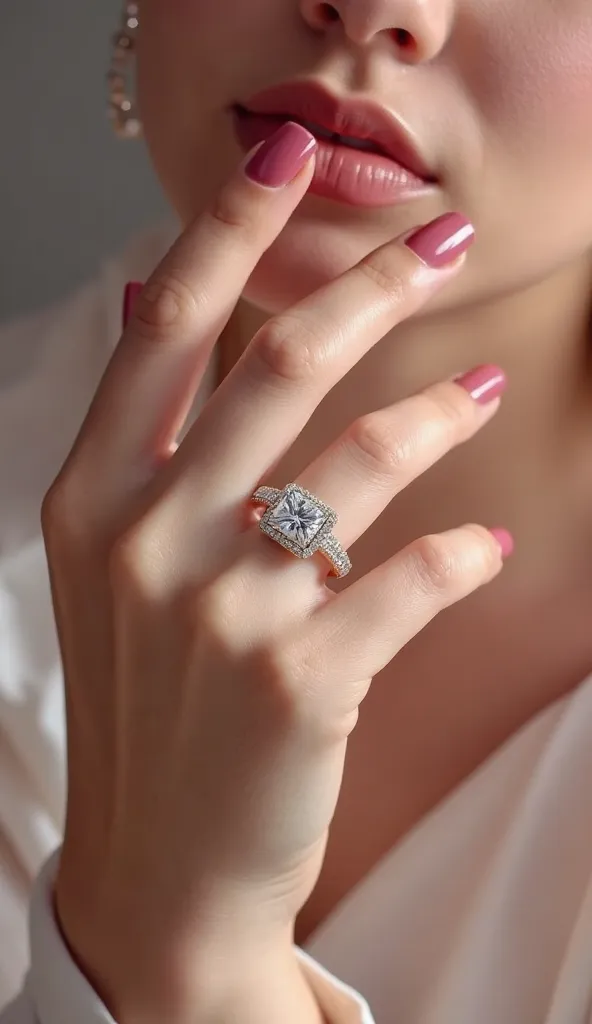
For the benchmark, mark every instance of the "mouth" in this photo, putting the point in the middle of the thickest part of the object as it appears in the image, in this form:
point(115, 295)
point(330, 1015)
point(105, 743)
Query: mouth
point(366, 155)
point(364, 145)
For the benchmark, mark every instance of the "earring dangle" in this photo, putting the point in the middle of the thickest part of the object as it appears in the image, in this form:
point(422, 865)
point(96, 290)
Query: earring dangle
point(122, 108)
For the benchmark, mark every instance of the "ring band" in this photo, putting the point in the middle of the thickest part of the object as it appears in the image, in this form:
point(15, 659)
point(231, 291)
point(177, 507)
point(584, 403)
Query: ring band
point(303, 524)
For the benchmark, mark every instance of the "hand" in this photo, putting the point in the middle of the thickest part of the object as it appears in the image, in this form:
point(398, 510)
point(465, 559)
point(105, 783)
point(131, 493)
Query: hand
point(212, 678)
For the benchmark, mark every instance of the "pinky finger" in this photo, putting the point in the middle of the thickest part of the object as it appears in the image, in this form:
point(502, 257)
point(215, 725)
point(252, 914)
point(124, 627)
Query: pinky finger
point(366, 625)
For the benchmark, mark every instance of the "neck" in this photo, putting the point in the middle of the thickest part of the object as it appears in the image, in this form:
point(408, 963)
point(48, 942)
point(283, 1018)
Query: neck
point(526, 470)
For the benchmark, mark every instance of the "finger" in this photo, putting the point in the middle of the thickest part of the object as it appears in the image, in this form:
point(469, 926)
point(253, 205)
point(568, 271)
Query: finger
point(362, 629)
point(150, 383)
point(297, 357)
point(383, 452)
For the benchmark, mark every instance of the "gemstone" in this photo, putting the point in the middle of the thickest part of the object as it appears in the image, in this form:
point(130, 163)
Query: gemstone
point(298, 518)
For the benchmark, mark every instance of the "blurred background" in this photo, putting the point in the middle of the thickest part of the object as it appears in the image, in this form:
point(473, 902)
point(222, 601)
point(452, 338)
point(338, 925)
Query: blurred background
point(70, 192)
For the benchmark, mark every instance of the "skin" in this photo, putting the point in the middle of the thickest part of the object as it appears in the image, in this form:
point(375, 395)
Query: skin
point(212, 681)
point(499, 94)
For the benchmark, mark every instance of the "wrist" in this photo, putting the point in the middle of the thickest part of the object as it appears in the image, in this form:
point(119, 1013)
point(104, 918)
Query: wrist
point(232, 978)
point(259, 986)
point(223, 965)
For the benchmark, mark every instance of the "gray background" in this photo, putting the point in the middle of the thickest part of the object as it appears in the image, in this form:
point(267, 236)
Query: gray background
point(70, 192)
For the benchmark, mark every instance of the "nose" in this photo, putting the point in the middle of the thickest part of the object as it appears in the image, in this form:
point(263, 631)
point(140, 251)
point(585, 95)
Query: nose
point(418, 29)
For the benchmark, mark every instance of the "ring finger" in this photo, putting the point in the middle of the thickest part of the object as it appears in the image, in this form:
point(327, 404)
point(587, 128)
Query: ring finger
point(384, 451)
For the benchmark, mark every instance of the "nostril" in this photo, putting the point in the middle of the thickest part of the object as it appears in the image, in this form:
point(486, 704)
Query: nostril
point(328, 13)
point(403, 38)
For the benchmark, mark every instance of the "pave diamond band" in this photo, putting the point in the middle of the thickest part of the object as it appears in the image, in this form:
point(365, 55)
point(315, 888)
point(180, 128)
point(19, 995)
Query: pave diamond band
point(301, 523)
point(266, 495)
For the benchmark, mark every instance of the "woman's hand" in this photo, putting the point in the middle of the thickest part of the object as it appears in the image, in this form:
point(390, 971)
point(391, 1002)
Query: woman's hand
point(212, 678)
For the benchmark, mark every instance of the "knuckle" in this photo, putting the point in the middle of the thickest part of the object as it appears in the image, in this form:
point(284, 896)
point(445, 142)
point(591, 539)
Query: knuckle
point(141, 561)
point(291, 679)
point(278, 667)
point(276, 679)
point(381, 449)
point(228, 210)
point(481, 551)
point(125, 559)
point(287, 676)
point(54, 508)
point(167, 301)
point(439, 408)
point(215, 611)
point(135, 562)
point(287, 347)
point(437, 563)
point(456, 563)
point(64, 511)
point(381, 268)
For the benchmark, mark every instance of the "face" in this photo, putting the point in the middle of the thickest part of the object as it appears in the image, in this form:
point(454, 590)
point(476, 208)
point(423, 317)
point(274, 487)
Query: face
point(497, 93)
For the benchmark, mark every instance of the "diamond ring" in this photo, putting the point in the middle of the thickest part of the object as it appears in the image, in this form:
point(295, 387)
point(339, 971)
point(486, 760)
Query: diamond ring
point(302, 524)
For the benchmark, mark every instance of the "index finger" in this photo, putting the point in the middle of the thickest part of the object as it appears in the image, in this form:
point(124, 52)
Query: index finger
point(151, 380)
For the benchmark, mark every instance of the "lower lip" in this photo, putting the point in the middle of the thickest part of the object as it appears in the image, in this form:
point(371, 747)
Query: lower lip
point(341, 173)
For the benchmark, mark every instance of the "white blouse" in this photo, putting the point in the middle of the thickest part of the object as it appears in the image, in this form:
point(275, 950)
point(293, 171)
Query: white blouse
point(482, 914)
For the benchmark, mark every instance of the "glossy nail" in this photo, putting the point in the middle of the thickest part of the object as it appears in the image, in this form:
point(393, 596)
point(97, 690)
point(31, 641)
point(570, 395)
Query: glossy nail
point(484, 383)
point(504, 539)
point(443, 240)
point(132, 290)
point(282, 156)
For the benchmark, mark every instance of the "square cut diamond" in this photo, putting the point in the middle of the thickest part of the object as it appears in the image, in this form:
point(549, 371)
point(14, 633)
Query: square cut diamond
point(297, 518)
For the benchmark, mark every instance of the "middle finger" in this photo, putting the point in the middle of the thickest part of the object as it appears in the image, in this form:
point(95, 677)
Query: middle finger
point(260, 408)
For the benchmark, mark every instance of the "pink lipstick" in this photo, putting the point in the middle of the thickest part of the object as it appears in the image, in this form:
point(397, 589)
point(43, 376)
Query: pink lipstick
point(365, 157)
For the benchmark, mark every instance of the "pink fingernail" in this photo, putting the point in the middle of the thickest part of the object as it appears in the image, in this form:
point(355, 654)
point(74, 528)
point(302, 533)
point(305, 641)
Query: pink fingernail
point(442, 240)
point(484, 383)
point(278, 160)
point(132, 290)
point(504, 539)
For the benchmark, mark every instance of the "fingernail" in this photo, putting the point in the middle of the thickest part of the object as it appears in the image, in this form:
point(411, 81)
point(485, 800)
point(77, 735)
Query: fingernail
point(443, 240)
point(132, 290)
point(278, 160)
point(484, 383)
point(504, 539)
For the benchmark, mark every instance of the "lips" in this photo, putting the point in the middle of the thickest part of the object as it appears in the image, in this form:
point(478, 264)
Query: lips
point(357, 123)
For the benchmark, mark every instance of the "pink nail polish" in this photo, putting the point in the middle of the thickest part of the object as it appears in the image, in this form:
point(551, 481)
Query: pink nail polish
point(504, 539)
point(132, 290)
point(484, 383)
point(443, 240)
point(278, 160)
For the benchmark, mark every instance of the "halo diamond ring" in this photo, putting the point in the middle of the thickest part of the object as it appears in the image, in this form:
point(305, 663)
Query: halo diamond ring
point(301, 523)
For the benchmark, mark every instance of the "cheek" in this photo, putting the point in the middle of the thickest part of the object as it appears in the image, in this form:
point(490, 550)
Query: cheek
point(218, 28)
point(183, 77)
point(553, 106)
point(539, 93)
point(533, 96)
point(187, 32)
point(202, 13)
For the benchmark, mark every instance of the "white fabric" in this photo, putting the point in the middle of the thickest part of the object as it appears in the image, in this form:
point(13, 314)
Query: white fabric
point(482, 915)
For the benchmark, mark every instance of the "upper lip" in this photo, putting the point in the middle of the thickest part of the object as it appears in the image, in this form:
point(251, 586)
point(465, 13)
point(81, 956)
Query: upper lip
point(357, 118)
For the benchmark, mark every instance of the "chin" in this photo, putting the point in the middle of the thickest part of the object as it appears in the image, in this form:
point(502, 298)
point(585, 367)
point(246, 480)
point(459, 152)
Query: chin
point(311, 253)
point(306, 256)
